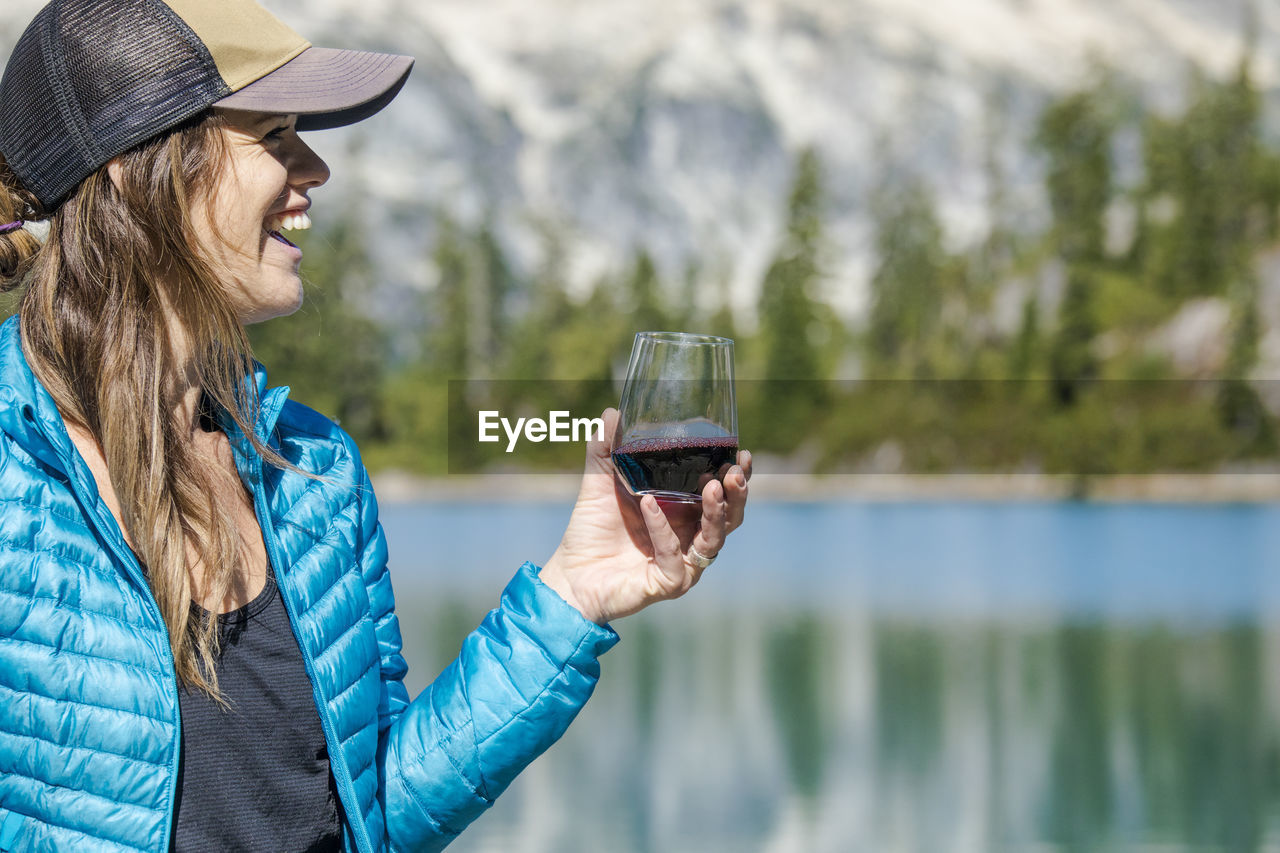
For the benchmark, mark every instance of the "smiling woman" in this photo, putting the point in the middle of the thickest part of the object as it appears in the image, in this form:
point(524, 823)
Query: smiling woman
point(270, 171)
point(198, 645)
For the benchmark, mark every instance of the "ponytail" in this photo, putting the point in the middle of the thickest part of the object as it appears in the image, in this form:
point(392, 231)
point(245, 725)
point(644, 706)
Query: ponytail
point(18, 248)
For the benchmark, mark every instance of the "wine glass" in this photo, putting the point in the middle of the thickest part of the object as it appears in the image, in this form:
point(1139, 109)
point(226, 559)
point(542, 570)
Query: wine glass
point(678, 424)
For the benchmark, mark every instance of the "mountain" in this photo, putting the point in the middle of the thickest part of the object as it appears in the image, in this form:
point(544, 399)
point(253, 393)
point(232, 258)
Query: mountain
point(674, 124)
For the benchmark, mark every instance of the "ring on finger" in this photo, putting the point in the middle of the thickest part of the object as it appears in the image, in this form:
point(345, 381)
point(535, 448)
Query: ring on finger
point(698, 560)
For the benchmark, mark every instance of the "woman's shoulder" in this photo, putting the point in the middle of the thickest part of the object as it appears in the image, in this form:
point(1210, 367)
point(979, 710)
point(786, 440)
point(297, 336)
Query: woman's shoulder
point(299, 419)
point(317, 444)
point(330, 476)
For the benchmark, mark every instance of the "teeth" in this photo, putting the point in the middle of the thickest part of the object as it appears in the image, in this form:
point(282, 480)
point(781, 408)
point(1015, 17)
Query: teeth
point(289, 222)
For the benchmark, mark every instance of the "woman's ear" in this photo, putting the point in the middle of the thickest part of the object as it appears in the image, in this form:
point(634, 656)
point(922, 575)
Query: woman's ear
point(116, 172)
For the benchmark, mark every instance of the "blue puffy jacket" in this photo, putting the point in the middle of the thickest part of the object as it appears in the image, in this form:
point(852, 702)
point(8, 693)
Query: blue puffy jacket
point(89, 723)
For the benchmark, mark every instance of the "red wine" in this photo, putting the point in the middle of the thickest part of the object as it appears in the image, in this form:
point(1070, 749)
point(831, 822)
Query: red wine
point(679, 464)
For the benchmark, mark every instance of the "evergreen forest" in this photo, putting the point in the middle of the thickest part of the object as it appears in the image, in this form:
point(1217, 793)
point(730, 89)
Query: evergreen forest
point(926, 380)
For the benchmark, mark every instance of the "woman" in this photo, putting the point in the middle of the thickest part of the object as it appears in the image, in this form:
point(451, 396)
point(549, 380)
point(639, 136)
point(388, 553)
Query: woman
point(198, 643)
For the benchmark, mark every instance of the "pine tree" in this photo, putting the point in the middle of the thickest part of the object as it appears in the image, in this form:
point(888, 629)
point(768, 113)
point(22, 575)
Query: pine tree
point(644, 296)
point(791, 320)
point(490, 289)
point(1075, 134)
point(1210, 172)
point(1240, 409)
point(788, 311)
point(906, 293)
point(722, 320)
point(1026, 346)
point(1072, 362)
point(544, 310)
point(448, 346)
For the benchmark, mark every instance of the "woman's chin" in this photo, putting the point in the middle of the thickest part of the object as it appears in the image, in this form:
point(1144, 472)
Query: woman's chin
point(260, 309)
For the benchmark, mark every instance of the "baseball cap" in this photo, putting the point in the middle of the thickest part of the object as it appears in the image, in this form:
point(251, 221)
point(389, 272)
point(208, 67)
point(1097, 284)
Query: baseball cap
point(90, 79)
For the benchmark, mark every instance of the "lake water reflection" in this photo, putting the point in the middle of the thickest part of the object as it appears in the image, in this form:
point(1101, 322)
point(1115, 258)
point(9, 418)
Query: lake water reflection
point(901, 677)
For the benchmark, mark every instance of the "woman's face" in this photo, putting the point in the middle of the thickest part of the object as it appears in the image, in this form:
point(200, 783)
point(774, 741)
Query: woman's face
point(263, 191)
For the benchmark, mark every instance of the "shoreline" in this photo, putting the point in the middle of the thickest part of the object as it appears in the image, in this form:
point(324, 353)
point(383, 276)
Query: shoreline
point(1261, 485)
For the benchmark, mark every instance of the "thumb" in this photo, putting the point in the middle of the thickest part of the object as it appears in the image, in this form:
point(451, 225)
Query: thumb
point(598, 459)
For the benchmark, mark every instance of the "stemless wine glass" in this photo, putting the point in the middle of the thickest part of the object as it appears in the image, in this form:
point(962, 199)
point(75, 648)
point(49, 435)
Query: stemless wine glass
point(678, 427)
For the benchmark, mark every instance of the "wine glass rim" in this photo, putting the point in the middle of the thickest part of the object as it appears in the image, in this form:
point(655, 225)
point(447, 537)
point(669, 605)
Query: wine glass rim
point(685, 338)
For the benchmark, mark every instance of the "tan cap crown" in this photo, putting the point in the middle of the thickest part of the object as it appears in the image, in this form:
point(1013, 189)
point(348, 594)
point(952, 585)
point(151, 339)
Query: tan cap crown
point(245, 40)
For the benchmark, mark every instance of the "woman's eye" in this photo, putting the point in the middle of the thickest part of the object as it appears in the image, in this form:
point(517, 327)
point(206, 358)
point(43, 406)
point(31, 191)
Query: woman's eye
point(278, 132)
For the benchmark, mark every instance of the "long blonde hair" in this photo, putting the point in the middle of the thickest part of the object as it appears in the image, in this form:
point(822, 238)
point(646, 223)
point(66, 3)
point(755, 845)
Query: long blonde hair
point(118, 275)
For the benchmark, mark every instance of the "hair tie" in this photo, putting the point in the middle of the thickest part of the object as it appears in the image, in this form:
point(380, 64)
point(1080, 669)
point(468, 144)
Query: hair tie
point(12, 226)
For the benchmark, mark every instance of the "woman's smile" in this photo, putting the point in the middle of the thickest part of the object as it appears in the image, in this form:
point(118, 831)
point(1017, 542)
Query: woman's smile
point(288, 221)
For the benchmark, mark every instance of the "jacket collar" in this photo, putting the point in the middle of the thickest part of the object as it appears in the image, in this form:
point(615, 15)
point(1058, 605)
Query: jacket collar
point(27, 412)
point(270, 403)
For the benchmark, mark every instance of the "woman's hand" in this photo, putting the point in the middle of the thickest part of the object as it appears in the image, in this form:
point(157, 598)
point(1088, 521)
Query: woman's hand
point(620, 555)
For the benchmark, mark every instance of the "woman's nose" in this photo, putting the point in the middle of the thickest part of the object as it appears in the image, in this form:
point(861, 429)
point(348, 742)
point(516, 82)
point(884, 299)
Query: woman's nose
point(306, 169)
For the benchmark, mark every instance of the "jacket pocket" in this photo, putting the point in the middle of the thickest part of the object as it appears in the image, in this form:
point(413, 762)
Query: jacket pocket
point(9, 830)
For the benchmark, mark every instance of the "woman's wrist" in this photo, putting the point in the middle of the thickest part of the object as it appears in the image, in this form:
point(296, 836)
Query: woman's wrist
point(554, 577)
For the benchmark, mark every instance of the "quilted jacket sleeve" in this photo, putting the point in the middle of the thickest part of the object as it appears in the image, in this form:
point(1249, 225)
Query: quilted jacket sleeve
point(520, 679)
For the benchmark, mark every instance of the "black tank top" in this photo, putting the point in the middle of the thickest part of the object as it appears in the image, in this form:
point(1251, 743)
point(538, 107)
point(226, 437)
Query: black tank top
point(256, 776)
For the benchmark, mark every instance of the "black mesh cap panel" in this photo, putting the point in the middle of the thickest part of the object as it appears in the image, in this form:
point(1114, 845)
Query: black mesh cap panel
point(34, 138)
point(90, 79)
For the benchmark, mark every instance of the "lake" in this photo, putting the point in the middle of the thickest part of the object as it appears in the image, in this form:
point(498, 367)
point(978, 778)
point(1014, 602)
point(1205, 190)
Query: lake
point(888, 677)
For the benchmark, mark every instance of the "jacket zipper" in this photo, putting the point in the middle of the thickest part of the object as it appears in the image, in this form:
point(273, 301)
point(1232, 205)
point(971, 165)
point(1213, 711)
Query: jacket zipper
point(129, 561)
point(346, 784)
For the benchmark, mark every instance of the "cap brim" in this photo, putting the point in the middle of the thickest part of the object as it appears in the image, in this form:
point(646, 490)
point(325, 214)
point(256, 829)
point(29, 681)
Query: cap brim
point(326, 87)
